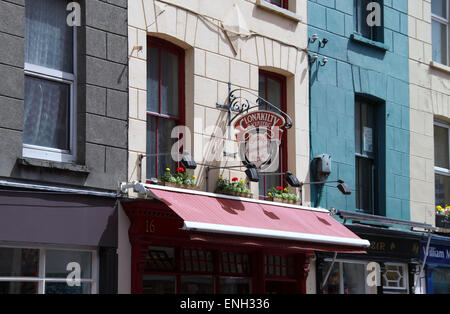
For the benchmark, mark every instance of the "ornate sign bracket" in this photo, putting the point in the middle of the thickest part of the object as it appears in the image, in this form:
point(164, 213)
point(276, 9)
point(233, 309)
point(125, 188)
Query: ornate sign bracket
point(241, 105)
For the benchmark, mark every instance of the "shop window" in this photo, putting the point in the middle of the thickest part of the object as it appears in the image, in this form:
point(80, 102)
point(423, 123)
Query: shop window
point(279, 3)
point(440, 31)
point(394, 279)
point(346, 278)
point(366, 157)
point(234, 264)
point(272, 87)
point(154, 284)
point(159, 259)
point(49, 130)
point(44, 271)
point(442, 163)
point(197, 285)
point(165, 103)
point(279, 266)
point(230, 285)
point(197, 261)
point(364, 8)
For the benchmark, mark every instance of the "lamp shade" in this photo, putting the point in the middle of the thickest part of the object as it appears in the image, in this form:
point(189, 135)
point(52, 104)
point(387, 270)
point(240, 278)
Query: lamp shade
point(188, 162)
point(292, 180)
point(344, 188)
point(252, 173)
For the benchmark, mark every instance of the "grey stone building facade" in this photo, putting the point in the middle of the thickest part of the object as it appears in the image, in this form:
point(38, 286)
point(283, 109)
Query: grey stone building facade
point(63, 140)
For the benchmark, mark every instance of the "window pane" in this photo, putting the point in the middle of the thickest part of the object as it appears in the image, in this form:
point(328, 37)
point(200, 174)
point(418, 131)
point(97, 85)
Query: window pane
point(362, 27)
point(354, 278)
point(48, 38)
point(358, 133)
point(441, 279)
point(19, 262)
point(333, 285)
point(235, 286)
point(47, 112)
point(165, 143)
point(158, 284)
point(197, 285)
point(441, 148)
point(160, 259)
point(442, 190)
point(18, 287)
point(151, 146)
point(56, 263)
point(64, 288)
point(153, 80)
point(364, 193)
point(439, 7)
point(439, 42)
point(276, 2)
point(169, 84)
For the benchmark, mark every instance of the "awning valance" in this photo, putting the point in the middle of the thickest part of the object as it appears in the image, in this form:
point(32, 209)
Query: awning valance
point(208, 213)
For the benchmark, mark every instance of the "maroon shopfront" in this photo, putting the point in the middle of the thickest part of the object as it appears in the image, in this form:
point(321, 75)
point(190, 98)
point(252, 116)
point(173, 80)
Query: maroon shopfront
point(193, 242)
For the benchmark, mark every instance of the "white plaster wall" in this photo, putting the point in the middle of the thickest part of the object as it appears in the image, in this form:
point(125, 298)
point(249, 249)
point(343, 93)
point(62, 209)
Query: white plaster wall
point(430, 99)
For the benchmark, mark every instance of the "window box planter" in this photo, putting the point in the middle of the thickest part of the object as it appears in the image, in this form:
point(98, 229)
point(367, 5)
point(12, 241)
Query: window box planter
point(238, 194)
point(280, 200)
point(179, 186)
point(442, 221)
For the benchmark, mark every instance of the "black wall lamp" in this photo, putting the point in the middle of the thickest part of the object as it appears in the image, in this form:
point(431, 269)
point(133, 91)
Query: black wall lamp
point(342, 186)
point(291, 179)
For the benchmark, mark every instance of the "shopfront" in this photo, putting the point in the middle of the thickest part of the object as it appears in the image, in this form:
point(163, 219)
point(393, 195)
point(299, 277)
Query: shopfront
point(393, 255)
point(47, 236)
point(437, 270)
point(195, 242)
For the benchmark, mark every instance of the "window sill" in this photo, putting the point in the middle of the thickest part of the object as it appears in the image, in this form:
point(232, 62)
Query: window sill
point(440, 66)
point(365, 41)
point(276, 9)
point(65, 166)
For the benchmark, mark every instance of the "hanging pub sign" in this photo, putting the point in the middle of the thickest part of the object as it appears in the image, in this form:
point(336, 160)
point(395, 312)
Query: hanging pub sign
point(259, 135)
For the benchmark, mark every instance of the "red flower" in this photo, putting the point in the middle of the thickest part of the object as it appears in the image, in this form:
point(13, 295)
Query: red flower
point(235, 179)
point(180, 169)
point(280, 188)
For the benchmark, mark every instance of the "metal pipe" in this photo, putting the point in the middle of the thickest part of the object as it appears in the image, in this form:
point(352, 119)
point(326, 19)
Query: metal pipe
point(56, 189)
point(424, 260)
point(328, 272)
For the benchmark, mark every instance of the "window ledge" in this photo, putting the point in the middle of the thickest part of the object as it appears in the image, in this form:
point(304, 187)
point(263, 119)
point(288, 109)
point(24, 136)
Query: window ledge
point(32, 162)
point(440, 66)
point(375, 44)
point(276, 9)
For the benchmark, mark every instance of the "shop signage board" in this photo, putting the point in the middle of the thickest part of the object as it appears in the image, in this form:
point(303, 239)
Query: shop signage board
point(259, 134)
point(437, 254)
point(393, 247)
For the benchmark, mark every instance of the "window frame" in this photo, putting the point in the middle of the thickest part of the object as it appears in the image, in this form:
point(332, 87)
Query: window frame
point(154, 42)
point(376, 37)
point(284, 4)
point(361, 156)
point(71, 79)
point(396, 290)
point(446, 22)
point(283, 147)
point(438, 170)
point(42, 279)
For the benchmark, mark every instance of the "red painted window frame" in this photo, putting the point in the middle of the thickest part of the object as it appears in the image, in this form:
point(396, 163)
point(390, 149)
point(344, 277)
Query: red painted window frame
point(164, 45)
point(283, 147)
point(284, 4)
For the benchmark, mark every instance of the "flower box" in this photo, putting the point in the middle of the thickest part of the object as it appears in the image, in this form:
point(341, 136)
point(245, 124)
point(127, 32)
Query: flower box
point(442, 222)
point(238, 194)
point(179, 186)
point(280, 200)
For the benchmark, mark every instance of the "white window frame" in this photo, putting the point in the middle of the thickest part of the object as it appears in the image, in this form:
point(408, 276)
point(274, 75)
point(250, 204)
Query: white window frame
point(48, 153)
point(341, 263)
point(438, 170)
point(442, 20)
point(396, 290)
point(41, 280)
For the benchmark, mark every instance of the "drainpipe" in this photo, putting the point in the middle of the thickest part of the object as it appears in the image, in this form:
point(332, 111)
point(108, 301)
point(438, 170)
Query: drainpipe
point(424, 260)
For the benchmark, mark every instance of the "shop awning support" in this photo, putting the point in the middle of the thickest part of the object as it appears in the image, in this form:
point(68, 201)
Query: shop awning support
point(324, 282)
point(424, 260)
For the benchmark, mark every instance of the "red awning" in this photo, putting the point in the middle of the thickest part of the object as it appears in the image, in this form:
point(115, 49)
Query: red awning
point(311, 229)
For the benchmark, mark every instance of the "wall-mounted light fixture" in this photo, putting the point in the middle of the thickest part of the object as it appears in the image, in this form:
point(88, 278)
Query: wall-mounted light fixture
point(323, 43)
point(324, 61)
point(313, 58)
point(291, 179)
point(313, 38)
point(342, 187)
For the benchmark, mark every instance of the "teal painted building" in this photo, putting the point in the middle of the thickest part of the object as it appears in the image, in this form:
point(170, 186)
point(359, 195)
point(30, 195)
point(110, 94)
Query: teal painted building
point(359, 104)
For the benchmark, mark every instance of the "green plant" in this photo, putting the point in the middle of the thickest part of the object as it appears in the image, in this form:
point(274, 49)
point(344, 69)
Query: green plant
point(235, 186)
point(443, 211)
point(282, 193)
point(181, 177)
